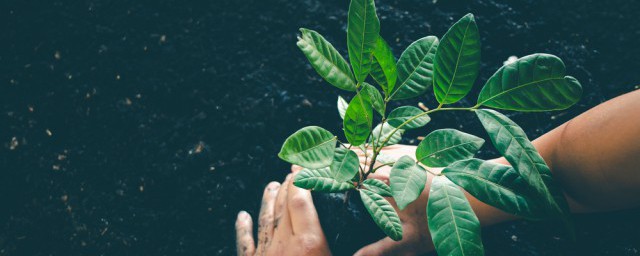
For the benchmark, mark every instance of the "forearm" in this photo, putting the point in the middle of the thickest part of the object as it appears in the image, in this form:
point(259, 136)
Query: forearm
point(595, 158)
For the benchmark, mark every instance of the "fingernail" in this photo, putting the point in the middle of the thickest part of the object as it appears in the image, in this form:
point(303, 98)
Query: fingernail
point(242, 215)
point(273, 186)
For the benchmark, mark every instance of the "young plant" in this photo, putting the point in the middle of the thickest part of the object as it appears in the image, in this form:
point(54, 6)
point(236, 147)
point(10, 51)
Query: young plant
point(450, 66)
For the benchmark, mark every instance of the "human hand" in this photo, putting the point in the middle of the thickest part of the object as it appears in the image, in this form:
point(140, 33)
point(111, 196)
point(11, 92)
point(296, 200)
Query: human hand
point(416, 239)
point(288, 224)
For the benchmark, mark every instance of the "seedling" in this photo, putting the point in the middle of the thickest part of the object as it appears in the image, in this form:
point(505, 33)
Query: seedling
point(450, 66)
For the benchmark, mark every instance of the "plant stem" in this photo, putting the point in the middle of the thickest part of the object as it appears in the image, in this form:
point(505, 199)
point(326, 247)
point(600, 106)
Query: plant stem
point(383, 165)
point(423, 114)
point(343, 145)
point(366, 156)
point(376, 151)
point(432, 173)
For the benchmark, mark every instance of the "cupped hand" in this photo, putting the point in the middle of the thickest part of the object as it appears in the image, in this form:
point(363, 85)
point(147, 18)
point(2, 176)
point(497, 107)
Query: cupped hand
point(288, 224)
point(416, 239)
point(415, 231)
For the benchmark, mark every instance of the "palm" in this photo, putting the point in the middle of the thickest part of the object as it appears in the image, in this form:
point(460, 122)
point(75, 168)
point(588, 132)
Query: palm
point(416, 239)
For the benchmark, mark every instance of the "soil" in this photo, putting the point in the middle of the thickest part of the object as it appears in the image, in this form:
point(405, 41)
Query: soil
point(143, 127)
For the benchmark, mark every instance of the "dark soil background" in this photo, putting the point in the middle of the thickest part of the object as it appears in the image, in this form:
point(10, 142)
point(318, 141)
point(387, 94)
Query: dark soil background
point(143, 127)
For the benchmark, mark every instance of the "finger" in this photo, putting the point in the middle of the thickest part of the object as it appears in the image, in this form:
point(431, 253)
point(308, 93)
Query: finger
point(414, 242)
point(296, 168)
point(382, 174)
point(364, 163)
point(266, 219)
point(304, 217)
point(385, 246)
point(244, 234)
point(282, 223)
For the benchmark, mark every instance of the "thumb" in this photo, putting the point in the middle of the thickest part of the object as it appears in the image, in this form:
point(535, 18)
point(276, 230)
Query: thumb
point(385, 246)
point(296, 168)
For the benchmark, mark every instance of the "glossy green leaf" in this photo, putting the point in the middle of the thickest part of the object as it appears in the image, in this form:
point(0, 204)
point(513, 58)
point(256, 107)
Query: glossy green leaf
point(383, 69)
point(375, 98)
point(320, 180)
point(382, 213)
point(378, 136)
point(386, 159)
point(311, 147)
point(497, 185)
point(454, 227)
point(378, 187)
point(512, 142)
point(362, 33)
point(415, 69)
point(326, 60)
point(403, 114)
point(532, 83)
point(407, 181)
point(457, 61)
point(445, 146)
point(358, 119)
point(561, 207)
point(345, 164)
point(342, 106)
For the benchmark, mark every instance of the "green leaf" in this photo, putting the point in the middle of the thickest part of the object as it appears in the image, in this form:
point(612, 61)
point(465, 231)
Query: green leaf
point(362, 33)
point(345, 164)
point(497, 185)
point(407, 181)
point(378, 137)
point(382, 213)
point(386, 159)
point(532, 83)
point(358, 119)
point(342, 106)
point(445, 146)
point(512, 142)
point(378, 187)
point(454, 227)
point(311, 147)
point(320, 180)
point(383, 69)
point(375, 98)
point(561, 203)
point(402, 114)
point(457, 61)
point(415, 69)
point(326, 60)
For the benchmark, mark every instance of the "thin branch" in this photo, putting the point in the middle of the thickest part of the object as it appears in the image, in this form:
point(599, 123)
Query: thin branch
point(343, 145)
point(418, 116)
point(383, 165)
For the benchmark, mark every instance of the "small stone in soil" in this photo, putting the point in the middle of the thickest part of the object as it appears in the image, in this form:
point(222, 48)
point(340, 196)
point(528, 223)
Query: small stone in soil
point(14, 143)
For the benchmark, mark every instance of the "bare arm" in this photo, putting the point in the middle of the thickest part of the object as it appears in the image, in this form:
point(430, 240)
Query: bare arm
point(595, 157)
